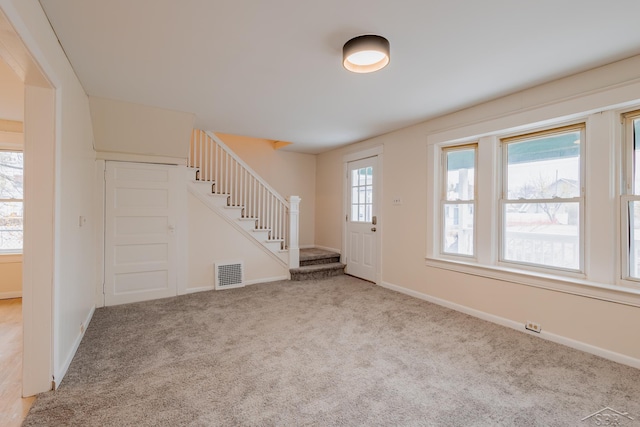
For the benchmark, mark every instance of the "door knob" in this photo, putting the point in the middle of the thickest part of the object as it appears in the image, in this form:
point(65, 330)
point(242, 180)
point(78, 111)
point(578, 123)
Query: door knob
point(373, 229)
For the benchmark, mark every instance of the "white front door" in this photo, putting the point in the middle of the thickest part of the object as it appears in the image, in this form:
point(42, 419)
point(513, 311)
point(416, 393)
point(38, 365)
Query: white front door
point(361, 241)
point(140, 240)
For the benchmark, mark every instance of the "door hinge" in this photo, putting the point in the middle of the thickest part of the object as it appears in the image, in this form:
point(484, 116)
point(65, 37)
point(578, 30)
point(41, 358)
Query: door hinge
point(346, 218)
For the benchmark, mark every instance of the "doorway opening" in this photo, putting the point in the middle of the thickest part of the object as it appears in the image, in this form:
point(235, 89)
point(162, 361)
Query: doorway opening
point(39, 154)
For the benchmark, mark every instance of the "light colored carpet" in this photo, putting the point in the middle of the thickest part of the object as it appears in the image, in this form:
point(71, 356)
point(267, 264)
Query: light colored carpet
point(332, 352)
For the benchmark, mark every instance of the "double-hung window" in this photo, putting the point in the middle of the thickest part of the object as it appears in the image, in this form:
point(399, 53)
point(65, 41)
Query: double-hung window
point(631, 196)
point(458, 200)
point(542, 199)
point(11, 175)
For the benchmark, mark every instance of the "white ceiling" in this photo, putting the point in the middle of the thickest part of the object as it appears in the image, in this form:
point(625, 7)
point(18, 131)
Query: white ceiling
point(272, 69)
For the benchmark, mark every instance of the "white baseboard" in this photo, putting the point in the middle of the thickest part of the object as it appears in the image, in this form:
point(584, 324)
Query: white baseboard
point(326, 248)
point(578, 345)
point(9, 295)
point(199, 289)
point(265, 280)
point(60, 373)
point(246, 283)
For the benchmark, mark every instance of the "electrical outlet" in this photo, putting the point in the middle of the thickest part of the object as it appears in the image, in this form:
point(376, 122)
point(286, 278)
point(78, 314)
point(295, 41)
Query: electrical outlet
point(81, 328)
point(533, 326)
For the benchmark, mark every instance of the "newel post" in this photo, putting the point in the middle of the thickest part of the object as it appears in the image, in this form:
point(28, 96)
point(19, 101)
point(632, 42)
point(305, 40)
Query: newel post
point(294, 231)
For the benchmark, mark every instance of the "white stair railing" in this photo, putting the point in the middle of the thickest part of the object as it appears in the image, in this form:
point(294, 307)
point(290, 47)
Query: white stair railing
point(229, 175)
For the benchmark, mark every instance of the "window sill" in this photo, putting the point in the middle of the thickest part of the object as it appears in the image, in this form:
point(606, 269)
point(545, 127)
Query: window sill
point(602, 291)
point(10, 258)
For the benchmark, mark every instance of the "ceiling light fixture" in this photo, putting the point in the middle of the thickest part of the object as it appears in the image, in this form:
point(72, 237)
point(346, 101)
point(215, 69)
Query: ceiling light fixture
point(365, 54)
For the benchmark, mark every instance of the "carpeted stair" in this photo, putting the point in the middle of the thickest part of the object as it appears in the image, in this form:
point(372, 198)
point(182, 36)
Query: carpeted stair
point(317, 264)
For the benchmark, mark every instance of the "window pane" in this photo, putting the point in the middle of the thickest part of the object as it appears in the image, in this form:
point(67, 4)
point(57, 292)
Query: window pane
point(634, 239)
point(361, 213)
point(10, 226)
point(460, 174)
point(636, 157)
point(543, 233)
point(363, 177)
point(11, 175)
point(458, 229)
point(362, 194)
point(544, 167)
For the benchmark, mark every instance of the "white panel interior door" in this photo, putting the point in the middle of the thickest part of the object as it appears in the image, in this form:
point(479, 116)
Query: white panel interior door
point(140, 240)
point(362, 240)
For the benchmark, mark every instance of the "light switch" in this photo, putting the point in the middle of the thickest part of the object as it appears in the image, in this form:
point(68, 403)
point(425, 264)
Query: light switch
point(396, 200)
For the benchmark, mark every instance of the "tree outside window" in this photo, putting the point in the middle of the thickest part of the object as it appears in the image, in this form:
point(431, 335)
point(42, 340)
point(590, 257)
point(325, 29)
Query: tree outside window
point(11, 206)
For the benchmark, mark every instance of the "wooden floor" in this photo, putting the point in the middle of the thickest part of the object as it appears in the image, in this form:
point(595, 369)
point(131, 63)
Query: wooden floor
point(13, 408)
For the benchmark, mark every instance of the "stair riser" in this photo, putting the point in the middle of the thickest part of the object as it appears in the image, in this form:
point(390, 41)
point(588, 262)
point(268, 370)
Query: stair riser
point(260, 235)
point(233, 213)
point(317, 275)
point(273, 246)
point(247, 225)
point(320, 261)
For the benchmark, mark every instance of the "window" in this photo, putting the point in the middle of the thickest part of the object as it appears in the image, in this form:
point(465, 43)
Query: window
point(458, 200)
point(540, 202)
point(11, 175)
point(362, 194)
point(542, 199)
point(630, 206)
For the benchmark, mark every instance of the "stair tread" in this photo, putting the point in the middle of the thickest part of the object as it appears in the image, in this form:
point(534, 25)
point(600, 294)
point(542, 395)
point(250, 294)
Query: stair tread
point(312, 254)
point(318, 267)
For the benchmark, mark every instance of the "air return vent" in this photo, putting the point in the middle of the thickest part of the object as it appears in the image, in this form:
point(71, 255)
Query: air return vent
point(229, 275)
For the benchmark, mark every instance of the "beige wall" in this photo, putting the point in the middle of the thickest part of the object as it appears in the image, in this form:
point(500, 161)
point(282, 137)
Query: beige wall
point(12, 90)
point(59, 123)
point(212, 239)
point(290, 174)
point(604, 325)
point(126, 128)
point(10, 276)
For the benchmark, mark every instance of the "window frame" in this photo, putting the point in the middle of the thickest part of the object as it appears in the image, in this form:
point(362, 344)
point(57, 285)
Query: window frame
point(444, 200)
point(602, 181)
point(503, 198)
point(627, 190)
point(7, 252)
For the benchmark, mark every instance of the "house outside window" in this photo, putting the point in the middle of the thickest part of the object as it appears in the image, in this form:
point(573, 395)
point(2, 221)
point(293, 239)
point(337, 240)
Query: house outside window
point(458, 200)
point(11, 206)
point(543, 198)
point(630, 204)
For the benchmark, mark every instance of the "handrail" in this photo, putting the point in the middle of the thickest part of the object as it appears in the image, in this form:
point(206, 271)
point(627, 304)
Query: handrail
point(246, 166)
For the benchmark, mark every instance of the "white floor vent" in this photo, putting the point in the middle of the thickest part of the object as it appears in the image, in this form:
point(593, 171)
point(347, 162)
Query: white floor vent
point(229, 275)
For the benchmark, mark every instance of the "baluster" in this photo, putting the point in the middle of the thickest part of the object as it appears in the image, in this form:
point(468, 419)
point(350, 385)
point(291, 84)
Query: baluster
point(216, 169)
point(190, 164)
point(269, 210)
point(226, 175)
point(200, 152)
point(236, 176)
point(254, 204)
point(206, 158)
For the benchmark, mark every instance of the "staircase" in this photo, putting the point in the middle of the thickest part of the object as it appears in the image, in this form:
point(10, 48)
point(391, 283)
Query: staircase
point(317, 264)
point(230, 187)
